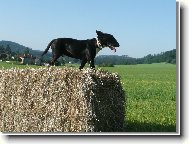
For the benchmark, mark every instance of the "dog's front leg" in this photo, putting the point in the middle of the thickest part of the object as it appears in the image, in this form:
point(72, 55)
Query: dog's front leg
point(92, 66)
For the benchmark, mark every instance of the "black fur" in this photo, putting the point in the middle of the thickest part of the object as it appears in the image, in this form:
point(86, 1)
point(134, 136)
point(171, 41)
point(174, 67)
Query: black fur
point(85, 50)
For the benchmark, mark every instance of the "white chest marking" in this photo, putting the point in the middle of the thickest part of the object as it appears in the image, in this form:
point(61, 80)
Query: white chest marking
point(99, 46)
point(97, 50)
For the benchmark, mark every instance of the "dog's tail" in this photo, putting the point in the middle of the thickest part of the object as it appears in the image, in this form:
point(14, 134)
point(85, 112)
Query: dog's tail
point(49, 45)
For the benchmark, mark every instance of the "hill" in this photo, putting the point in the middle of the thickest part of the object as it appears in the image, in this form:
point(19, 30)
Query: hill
point(15, 47)
point(18, 48)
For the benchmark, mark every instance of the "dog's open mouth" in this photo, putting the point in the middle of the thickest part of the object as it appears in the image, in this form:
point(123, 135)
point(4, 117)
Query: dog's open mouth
point(112, 48)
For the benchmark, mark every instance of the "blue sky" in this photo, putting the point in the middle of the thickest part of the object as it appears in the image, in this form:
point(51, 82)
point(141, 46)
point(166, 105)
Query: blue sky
point(141, 26)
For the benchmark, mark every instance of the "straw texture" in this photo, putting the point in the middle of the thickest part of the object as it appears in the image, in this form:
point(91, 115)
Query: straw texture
point(60, 100)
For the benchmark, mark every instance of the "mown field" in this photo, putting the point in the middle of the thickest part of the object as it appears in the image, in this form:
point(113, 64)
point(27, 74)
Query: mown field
point(150, 95)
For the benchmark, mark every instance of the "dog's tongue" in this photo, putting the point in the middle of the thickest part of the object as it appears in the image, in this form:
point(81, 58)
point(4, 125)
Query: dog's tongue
point(113, 48)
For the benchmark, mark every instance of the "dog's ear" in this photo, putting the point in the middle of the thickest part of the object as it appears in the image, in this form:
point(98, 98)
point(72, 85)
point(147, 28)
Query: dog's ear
point(99, 32)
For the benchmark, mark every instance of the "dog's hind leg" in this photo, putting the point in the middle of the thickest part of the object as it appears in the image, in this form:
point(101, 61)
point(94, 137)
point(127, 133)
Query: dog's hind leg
point(55, 57)
point(83, 62)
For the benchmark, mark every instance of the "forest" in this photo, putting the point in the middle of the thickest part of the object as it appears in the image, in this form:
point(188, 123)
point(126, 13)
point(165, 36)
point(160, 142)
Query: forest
point(110, 60)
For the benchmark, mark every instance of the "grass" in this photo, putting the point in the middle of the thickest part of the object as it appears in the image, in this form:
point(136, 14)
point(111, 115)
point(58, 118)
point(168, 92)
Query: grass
point(13, 64)
point(151, 95)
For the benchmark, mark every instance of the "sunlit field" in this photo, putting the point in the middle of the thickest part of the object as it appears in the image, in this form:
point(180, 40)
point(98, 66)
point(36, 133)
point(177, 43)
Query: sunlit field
point(151, 96)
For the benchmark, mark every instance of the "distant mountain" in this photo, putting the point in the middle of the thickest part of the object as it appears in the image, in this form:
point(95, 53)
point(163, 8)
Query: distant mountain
point(15, 47)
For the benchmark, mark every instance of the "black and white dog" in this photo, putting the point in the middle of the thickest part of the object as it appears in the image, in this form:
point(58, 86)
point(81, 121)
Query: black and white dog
point(85, 50)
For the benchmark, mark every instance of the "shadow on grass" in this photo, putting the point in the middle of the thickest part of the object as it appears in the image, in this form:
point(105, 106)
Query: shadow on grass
point(147, 127)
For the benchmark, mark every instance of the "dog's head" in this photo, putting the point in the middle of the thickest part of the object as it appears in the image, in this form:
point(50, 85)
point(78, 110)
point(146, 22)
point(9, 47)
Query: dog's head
point(107, 40)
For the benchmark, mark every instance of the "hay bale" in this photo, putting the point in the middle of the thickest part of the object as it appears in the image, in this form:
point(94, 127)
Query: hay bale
point(60, 100)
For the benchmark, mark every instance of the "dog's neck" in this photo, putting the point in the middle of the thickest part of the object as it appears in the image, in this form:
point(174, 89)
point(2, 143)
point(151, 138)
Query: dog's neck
point(99, 46)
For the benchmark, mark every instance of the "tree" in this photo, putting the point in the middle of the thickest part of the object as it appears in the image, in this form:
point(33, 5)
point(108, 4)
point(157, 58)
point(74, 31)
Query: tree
point(2, 49)
point(27, 51)
point(8, 50)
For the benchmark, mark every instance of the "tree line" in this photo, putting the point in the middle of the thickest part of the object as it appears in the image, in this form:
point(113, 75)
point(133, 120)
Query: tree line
point(110, 60)
point(7, 54)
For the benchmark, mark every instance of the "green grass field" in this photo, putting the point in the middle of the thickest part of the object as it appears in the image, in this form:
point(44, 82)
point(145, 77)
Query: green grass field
point(150, 95)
